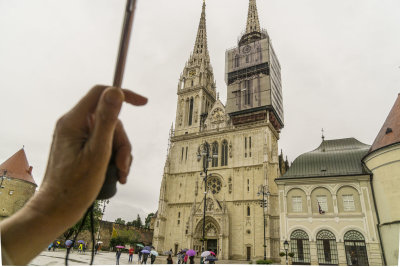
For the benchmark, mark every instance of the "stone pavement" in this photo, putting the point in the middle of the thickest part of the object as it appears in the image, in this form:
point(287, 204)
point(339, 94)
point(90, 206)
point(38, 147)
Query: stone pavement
point(57, 258)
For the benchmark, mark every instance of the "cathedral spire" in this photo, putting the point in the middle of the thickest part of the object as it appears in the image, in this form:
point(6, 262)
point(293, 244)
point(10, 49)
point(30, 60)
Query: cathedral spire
point(253, 24)
point(200, 47)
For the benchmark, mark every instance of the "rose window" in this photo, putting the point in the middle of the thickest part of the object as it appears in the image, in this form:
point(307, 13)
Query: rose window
point(214, 184)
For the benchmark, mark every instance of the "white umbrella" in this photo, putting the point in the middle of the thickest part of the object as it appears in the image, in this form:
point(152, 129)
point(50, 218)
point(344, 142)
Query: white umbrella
point(154, 253)
point(205, 254)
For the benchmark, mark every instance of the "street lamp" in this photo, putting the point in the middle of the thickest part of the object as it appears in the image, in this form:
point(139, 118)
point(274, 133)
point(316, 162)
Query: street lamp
point(263, 190)
point(102, 214)
point(286, 246)
point(205, 154)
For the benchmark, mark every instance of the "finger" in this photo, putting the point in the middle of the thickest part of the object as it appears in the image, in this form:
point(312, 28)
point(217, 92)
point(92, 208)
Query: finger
point(88, 103)
point(106, 118)
point(122, 149)
point(134, 98)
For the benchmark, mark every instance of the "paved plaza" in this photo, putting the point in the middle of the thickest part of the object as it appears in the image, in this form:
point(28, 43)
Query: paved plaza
point(57, 258)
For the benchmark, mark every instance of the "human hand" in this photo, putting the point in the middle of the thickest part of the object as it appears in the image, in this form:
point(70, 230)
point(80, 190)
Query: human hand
point(83, 141)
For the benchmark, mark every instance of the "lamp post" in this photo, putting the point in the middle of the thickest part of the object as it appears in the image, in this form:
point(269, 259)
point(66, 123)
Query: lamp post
point(102, 214)
point(286, 246)
point(205, 154)
point(263, 190)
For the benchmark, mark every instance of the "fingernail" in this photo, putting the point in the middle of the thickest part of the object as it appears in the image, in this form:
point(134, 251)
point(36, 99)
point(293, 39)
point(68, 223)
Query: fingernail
point(113, 97)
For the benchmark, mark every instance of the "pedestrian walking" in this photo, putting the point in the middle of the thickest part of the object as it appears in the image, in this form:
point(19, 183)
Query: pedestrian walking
point(131, 251)
point(80, 248)
point(145, 256)
point(96, 248)
point(118, 255)
point(152, 258)
point(191, 260)
point(185, 259)
point(140, 257)
point(169, 259)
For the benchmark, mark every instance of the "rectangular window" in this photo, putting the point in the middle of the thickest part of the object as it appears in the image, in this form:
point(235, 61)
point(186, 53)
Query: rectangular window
point(321, 200)
point(297, 204)
point(245, 147)
point(249, 146)
point(186, 153)
point(248, 185)
point(179, 221)
point(183, 150)
point(348, 203)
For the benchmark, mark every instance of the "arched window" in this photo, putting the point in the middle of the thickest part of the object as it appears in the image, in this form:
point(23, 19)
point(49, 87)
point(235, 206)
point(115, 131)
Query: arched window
point(248, 210)
point(236, 61)
point(179, 214)
point(224, 153)
point(191, 111)
point(215, 152)
point(356, 251)
point(326, 248)
point(300, 246)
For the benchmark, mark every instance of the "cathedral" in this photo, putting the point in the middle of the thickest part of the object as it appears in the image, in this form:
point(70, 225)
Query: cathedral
point(227, 202)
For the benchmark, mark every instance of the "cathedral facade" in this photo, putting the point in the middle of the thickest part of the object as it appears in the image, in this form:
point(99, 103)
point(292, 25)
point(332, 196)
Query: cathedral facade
point(242, 135)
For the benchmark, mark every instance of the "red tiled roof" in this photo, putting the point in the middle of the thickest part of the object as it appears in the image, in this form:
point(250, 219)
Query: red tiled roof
point(17, 167)
point(390, 131)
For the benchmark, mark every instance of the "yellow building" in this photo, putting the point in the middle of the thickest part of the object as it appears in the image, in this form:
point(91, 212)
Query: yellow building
point(383, 160)
point(327, 212)
point(16, 185)
point(243, 135)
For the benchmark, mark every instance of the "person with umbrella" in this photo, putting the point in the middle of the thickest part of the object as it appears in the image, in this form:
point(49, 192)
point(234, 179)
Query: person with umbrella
point(169, 259)
point(145, 253)
point(140, 257)
point(153, 255)
point(190, 253)
point(118, 254)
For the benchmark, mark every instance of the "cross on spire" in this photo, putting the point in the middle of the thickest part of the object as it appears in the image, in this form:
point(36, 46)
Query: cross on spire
point(253, 24)
point(323, 137)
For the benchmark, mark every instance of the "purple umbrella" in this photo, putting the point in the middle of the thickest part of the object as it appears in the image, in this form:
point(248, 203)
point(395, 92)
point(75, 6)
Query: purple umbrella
point(68, 243)
point(81, 241)
point(191, 252)
point(145, 251)
point(119, 246)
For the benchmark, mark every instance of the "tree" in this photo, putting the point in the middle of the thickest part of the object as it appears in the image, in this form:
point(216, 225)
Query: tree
point(148, 219)
point(120, 221)
point(138, 221)
point(97, 214)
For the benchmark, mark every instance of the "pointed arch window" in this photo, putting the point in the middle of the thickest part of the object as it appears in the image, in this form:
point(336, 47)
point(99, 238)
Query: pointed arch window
point(191, 111)
point(248, 210)
point(215, 152)
point(224, 153)
point(300, 246)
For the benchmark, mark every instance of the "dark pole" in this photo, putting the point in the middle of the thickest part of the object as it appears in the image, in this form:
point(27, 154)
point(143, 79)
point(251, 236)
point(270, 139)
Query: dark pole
point(265, 246)
point(204, 213)
point(205, 170)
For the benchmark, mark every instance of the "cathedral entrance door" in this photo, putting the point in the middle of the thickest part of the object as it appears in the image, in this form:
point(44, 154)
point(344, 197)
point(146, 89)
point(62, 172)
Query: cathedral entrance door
point(212, 245)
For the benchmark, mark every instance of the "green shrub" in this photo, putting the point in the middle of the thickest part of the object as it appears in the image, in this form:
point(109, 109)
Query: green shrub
point(282, 254)
point(264, 262)
point(291, 254)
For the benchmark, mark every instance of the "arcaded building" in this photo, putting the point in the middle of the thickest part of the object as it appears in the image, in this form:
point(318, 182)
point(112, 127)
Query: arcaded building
point(243, 135)
point(326, 206)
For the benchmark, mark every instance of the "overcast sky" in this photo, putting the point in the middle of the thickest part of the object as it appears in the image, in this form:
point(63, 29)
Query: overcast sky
point(340, 71)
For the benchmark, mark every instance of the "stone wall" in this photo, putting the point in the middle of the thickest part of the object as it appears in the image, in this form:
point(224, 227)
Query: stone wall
point(14, 193)
point(143, 235)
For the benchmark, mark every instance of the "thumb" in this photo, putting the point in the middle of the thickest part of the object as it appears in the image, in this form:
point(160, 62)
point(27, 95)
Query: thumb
point(106, 118)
